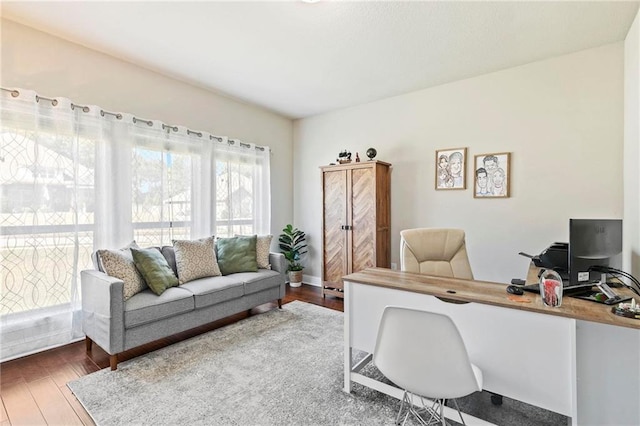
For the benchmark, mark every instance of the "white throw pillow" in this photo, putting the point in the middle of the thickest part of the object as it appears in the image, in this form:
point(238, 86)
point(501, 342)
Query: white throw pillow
point(195, 259)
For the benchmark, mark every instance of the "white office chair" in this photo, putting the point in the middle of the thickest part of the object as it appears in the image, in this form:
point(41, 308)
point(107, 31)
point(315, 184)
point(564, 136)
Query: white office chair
point(435, 251)
point(424, 354)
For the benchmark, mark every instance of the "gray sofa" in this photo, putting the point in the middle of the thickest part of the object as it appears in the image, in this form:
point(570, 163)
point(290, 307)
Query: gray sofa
point(117, 325)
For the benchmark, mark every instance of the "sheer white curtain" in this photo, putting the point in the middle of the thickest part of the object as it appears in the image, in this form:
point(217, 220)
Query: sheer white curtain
point(47, 163)
point(76, 178)
point(242, 188)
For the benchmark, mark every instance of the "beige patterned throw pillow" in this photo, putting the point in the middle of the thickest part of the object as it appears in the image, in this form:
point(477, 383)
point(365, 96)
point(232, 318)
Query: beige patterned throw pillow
point(119, 264)
point(263, 247)
point(195, 259)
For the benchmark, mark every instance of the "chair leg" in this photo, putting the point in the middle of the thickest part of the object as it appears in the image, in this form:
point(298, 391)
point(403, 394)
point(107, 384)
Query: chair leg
point(404, 397)
point(455, 401)
point(279, 303)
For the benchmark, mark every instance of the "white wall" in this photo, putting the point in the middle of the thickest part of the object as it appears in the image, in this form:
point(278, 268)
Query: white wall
point(561, 118)
point(632, 175)
point(632, 149)
point(54, 67)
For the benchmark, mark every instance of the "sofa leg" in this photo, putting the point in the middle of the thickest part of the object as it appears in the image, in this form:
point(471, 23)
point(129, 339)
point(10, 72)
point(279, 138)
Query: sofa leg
point(88, 343)
point(280, 303)
point(113, 362)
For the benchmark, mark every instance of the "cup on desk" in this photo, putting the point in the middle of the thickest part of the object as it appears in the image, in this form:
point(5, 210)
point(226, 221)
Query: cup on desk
point(551, 288)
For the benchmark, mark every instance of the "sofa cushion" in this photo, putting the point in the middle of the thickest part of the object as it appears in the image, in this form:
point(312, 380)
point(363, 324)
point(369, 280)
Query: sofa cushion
point(146, 306)
point(195, 259)
point(154, 269)
point(119, 264)
point(212, 290)
point(258, 281)
point(237, 254)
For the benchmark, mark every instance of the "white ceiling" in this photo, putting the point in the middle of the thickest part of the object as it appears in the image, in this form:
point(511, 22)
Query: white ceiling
point(302, 59)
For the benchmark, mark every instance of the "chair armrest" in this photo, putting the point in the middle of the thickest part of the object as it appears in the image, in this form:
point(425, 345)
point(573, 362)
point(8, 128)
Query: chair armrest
point(103, 310)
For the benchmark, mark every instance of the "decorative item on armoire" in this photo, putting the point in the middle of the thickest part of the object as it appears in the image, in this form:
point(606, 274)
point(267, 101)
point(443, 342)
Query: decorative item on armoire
point(371, 153)
point(344, 157)
point(492, 175)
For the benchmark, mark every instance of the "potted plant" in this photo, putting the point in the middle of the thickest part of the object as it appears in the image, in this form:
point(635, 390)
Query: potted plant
point(293, 246)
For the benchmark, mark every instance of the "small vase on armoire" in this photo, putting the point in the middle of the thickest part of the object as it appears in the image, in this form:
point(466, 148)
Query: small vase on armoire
point(356, 221)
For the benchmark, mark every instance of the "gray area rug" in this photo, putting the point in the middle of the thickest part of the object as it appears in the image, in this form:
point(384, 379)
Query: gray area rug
point(282, 367)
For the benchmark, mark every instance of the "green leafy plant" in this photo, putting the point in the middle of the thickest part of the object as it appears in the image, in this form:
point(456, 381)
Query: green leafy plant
point(292, 244)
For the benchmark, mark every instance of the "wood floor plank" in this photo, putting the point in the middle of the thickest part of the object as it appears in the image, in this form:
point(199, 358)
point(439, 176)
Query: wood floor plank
point(20, 405)
point(10, 373)
point(31, 368)
point(53, 405)
point(84, 366)
point(63, 375)
point(85, 418)
point(3, 413)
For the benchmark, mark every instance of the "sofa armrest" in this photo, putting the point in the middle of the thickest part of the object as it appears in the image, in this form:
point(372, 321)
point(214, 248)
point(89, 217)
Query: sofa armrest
point(278, 263)
point(103, 310)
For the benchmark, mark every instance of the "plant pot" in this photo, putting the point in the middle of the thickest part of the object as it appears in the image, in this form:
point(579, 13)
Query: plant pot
point(295, 278)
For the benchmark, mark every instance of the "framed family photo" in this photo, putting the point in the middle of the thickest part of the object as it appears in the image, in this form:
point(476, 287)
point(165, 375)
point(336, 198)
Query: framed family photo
point(451, 166)
point(492, 175)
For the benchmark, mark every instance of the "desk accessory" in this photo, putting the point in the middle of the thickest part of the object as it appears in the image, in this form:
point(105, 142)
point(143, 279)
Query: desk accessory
point(627, 310)
point(514, 289)
point(551, 288)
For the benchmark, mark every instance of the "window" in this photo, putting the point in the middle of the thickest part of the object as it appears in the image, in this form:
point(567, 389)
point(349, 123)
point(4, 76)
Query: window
point(73, 180)
point(46, 217)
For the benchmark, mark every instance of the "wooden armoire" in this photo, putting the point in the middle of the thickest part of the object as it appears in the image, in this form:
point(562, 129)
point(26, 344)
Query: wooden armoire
point(356, 221)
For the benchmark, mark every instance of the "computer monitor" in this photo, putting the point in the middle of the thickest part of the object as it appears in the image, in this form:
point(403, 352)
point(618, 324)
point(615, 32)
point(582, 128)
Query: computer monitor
point(593, 242)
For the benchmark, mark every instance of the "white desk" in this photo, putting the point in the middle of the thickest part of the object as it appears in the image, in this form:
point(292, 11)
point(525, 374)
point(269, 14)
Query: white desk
point(568, 360)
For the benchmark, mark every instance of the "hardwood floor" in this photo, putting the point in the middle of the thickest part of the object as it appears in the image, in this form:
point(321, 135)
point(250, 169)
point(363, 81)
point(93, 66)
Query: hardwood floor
point(33, 389)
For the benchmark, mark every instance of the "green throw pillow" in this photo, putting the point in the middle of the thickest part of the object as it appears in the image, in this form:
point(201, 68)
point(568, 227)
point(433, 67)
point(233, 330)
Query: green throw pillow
point(237, 254)
point(154, 269)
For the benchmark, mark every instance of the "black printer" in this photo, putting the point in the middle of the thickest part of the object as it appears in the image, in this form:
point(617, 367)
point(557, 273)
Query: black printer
point(555, 257)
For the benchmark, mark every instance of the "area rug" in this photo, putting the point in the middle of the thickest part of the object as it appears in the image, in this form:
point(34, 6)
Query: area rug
point(281, 367)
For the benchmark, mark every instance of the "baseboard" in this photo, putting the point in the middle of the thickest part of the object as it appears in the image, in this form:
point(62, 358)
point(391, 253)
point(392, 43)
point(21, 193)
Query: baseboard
point(312, 280)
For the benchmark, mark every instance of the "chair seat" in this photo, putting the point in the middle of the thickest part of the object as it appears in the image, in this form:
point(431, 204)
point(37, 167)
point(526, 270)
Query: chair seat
point(423, 353)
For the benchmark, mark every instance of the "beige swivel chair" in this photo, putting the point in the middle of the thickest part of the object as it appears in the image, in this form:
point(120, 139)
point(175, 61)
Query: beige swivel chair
point(435, 251)
point(424, 354)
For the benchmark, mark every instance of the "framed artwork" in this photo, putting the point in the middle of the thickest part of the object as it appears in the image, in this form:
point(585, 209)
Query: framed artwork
point(451, 167)
point(492, 175)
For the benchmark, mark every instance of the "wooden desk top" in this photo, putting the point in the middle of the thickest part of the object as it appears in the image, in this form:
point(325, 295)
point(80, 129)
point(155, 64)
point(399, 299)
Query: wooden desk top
point(489, 293)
